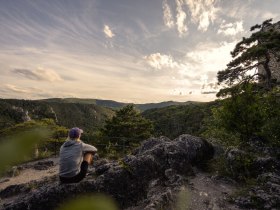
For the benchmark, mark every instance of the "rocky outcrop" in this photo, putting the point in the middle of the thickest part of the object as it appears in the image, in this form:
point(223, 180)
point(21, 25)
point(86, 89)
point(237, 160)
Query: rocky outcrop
point(18, 189)
point(147, 179)
point(274, 63)
point(264, 195)
point(263, 170)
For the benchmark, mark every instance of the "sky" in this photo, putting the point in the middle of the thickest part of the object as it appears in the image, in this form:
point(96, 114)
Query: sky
point(138, 51)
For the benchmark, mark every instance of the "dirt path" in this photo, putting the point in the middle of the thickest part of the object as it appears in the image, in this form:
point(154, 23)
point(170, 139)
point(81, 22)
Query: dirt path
point(30, 174)
point(208, 193)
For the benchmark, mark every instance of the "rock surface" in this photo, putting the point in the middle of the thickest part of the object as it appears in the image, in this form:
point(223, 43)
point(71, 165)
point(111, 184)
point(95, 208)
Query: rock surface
point(150, 178)
point(266, 195)
point(43, 165)
point(263, 170)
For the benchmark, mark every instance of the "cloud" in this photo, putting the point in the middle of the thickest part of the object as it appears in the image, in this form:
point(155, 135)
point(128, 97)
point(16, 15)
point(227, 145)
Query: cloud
point(159, 61)
point(202, 12)
point(209, 88)
point(251, 11)
point(207, 59)
point(181, 18)
point(25, 92)
point(16, 89)
point(38, 74)
point(167, 15)
point(231, 29)
point(108, 31)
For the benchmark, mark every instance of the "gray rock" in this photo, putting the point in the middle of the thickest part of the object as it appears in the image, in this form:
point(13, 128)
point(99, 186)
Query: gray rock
point(43, 165)
point(264, 196)
point(266, 164)
point(14, 190)
point(147, 179)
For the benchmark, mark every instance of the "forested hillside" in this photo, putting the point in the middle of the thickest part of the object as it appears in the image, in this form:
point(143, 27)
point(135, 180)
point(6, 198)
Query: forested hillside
point(175, 120)
point(170, 120)
point(88, 116)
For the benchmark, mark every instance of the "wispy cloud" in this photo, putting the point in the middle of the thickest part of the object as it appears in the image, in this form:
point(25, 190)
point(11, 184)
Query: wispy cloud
point(108, 32)
point(27, 92)
point(16, 89)
point(200, 12)
point(203, 12)
point(181, 18)
point(167, 15)
point(159, 61)
point(231, 29)
point(38, 74)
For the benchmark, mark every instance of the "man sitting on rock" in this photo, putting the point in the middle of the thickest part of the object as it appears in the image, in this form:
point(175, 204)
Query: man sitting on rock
point(75, 157)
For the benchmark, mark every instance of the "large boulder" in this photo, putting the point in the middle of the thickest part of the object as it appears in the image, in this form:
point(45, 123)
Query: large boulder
point(147, 178)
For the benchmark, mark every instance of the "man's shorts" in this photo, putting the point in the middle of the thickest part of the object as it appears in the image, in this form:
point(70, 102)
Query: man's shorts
point(78, 177)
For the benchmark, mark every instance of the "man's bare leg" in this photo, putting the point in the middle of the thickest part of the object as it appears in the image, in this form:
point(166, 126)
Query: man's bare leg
point(88, 157)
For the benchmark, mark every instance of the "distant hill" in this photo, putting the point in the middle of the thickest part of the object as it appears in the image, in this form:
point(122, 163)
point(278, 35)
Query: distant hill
point(170, 118)
point(175, 120)
point(144, 107)
point(88, 116)
point(114, 104)
point(105, 103)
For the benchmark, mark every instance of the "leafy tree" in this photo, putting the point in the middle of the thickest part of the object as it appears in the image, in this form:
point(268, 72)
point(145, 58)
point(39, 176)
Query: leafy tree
point(271, 110)
point(251, 53)
point(242, 113)
point(216, 132)
point(127, 126)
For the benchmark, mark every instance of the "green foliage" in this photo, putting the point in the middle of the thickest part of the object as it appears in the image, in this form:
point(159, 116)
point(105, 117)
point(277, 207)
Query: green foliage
point(175, 120)
point(271, 112)
point(15, 148)
point(252, 108)
point(128, 126)
point(90, 117)
point(183, 199)
point(216, 132)
point(246, 114)
point(121, 134)
point(94, 202)
point(49, 145)
point(218, 166)
point(242, 113)
point(242, 167)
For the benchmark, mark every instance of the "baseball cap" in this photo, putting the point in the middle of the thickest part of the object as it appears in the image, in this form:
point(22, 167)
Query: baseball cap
point(75, 133)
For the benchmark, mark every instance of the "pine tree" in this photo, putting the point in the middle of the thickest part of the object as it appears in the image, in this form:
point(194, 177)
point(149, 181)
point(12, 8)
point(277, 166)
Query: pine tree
point(127, 126)
point(249, 55)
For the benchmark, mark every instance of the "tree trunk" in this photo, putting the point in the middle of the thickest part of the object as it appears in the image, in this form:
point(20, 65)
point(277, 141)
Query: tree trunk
point(267, 70)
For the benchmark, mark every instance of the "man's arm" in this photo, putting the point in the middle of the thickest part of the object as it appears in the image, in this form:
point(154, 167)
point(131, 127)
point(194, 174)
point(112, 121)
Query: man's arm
point(89, 148)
